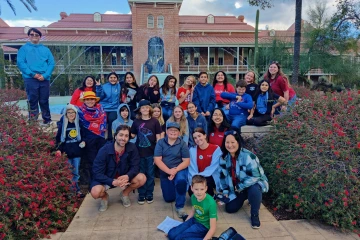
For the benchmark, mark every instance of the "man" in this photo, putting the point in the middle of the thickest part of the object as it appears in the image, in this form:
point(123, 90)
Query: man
point(36, 64)
point(172, 157)
point(117, 165)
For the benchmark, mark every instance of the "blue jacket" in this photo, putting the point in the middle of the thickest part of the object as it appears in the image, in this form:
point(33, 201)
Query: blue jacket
point(199, 122)
point(109, 96)
point(105, 167)
point(120, 121)
point(204, 98)
point(237, 108)
point(35, 58)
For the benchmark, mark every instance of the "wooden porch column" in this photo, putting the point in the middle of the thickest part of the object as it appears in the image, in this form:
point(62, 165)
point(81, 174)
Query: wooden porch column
point(237, 63)
point(208, 63)
point(101, 60)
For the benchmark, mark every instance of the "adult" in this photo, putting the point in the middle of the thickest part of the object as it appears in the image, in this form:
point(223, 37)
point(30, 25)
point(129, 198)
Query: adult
point(36, 64)
point(251, 84)
point(88, 84)
point(241, 177)
point(217, 127)
point(204, 161)
point(129, 88)
point(195, 120)
point(117, 165)
point(172, 157)
point(149, 90)
point(220, 85)
point(109, 94)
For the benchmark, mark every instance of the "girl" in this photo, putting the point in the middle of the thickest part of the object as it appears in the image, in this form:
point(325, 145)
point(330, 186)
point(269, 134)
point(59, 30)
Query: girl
point(217, 127)
point(128, 92)
point(157, 114)
point(195, 120)
point(123, 118)
point(168, 96)
point(184, 93)
point(109, 98)
point(88, 84)
point(264, 105)
point(220, 85)
point(147, 130)
point(204, 160)
point(204, 96)
point(251, 85)
point(149, 90)
point(179, 117)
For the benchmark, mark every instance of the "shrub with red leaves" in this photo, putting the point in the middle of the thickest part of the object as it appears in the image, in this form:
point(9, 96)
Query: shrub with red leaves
point(313, 153)
point(34, 184)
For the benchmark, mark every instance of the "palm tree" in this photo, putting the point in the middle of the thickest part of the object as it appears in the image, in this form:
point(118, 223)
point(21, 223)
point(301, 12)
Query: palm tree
point(297, 40)
point(29, 4)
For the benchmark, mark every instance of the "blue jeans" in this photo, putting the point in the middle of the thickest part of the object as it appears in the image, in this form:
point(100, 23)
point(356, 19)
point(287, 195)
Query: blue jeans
point(38, 93)
point(147, 168)
point(175, 190)
point(237, 121)
point(189, 230)
point(253, 193)
point(167, 112)
point(75, 163)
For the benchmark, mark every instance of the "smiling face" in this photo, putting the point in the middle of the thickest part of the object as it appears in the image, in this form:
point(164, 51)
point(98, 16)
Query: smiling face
point(172, 133)
point(113, 79)
point(199, 190)
point(122, 138)
point(124, 113)
point(145, 110)
point(90, 102)
point(89, 82)
point(231, 144)
point(156, 113)
point(241, 90)
point(199, 139)
point(250, 78)
point(273, 69)
point(178, 113)
point(191, 108)
point(189, 81)
point(203, 79)
point(171, 83)
point(217, 117)
point(264, 87)
point(220, 77)
point(71, 114)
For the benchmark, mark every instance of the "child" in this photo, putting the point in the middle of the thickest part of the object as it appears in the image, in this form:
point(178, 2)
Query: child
point(204, 96)
point(129, 88)
point(147, 130)
point(70, 140)
point(220, 85)
point(157, 114)
point(201, 222)
point(123, 118)
point(195, 120)
point(251, 85)
point(168, 96)
point(179, 117)
point(185, 92)
point(239, 105)
point(149, 90)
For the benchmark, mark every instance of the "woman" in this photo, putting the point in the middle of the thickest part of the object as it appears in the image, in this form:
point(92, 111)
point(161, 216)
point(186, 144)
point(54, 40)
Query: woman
point(184, 93)
point(251, 85)
point(217, 127)
point(88, 84)
point(279, 83)
point(204, 160)
point(168, 96)
point(149, 90)
point(128, 92)
point(178, 116)
point(109, 94)
point(265, 103)
point(221, 85)
point(157, 113)
point(195, 120)
point(241, 177)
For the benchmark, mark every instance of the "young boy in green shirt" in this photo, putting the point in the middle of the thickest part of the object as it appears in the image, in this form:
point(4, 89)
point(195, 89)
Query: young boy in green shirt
point(201, 222)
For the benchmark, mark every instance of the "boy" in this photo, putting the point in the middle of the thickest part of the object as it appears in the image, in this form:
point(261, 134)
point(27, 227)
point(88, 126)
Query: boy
point(123, 118)
point(204, 96)
point(70, 140)
point(201, 222)
point(239, 105)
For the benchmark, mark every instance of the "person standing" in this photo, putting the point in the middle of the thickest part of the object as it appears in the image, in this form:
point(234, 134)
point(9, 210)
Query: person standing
point(36, 64)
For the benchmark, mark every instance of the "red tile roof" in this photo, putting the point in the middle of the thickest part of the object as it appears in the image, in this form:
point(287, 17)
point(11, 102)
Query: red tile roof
point(7, 49)
point(3, 23)
point(81, 38)
point(219, 40)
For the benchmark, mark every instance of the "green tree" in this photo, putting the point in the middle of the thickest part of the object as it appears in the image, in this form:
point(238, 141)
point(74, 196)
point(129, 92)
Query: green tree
point(29, 4)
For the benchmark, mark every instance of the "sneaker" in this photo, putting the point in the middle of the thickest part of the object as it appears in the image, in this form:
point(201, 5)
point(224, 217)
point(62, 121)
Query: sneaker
point(125, 200)
point(45, 124)
point(80, 194)
point(104, 204)
point(181, 212)
point(141, 200)
point(255, 221)
point(149, 200)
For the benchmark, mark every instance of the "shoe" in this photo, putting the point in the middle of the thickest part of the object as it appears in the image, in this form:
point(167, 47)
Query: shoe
point(181, 212)
point(80, 194)
point(125, 200)
point(149, 200)
point(141, 200)
point(255, 221)
point(104, 204)
point(45, 124)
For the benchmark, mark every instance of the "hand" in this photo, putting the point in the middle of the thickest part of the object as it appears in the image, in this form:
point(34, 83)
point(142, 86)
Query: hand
point(41, 78)
point(227, 107)
point(187, 92)
point(203, 114)
point(239, 98)
point(182, 94)
point(58, 153)
point(272, 112)
point(171, 177)
point(98, 82)
point(283, 108)
point(37, 76)
point(82, 144)
point(123, 180)
point(172, 171)
point(156, 92)
point(250, 116)
point(207, 113)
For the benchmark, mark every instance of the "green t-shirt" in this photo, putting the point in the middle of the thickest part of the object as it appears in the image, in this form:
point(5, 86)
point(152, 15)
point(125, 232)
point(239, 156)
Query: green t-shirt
point(204, 210)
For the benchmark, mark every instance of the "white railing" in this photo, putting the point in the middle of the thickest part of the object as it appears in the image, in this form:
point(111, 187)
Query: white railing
point(204, 68)
point(59, 69)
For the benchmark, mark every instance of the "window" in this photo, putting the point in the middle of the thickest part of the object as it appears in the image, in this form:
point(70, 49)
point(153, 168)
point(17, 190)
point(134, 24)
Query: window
point(235, 61)
point(97, 17)
point(210, 19)
point(113, 57)
point(212, 56)
point(221, 56)
point(160, 21)
point(187, 57)
point(196, 56)
point(123, 56)
point(150, 21)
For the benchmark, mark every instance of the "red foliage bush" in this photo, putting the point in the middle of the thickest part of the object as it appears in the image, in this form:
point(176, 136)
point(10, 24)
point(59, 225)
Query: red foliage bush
point(34, 184)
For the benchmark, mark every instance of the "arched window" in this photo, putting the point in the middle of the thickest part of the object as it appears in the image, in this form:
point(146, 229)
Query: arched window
point(150, 21)
point(97, 17)
point(210, 19)
point(160, 21)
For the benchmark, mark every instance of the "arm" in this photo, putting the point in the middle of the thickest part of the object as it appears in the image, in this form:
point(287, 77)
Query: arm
point(22, 63)
point(212, 229)
point(182, 96)
point(228, 96)
point(253, 166)
point(158, 161)
point(51, 65)
point(196, 100)
point(134, 161)
point(75, 97)
point(286, 95)
point(191, 213)
point(100, 92)
point(247, 102)
point(252, 112)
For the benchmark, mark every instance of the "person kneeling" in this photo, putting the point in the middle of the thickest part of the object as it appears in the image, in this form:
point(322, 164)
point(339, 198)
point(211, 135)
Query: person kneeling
point(201, 222)
point(117, 165)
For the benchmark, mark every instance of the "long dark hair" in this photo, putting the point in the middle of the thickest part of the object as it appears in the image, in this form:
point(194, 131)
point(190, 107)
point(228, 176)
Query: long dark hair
point(83, 86)
point(223, 126)
point(258, 91)
point(267, 75)
point(125, 85)
point(165, 87)
point(112, 73)
point(146, 85)
point(225, 80)
point(237, 138)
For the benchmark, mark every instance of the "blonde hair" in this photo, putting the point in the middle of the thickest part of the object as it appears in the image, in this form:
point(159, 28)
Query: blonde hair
point(161, 118)
point(183, 121)
point(193, 80)
point(254, 81)
point(139, 115)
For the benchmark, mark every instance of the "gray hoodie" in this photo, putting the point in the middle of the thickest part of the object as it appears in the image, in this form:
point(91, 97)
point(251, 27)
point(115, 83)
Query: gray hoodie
point(120, 120)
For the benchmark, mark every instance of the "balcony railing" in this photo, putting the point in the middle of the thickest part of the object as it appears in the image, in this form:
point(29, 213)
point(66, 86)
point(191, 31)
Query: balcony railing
point(204, 68)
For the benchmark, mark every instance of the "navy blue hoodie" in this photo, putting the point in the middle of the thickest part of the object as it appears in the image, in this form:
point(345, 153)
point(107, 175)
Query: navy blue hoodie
point(204, 98)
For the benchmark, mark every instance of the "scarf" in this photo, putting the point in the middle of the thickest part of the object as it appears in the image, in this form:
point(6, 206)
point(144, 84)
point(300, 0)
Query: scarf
point(93, 119)
point(261, 103)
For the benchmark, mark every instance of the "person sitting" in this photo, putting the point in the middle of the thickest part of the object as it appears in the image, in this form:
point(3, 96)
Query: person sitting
point(220, 85)
point(88, 84)
point(123, 117)
point(217, 127)
point(149, 91)
point(178, 116)
point(195, 120)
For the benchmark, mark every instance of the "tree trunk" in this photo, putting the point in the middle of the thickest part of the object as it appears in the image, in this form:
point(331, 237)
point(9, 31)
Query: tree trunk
point(297, 39)
point(256, 57)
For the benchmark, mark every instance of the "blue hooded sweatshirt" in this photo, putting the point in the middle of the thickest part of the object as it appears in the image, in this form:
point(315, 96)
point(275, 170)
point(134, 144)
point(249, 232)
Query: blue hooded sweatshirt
point(204, 98)
point(120, 121)
point(237, 108)
point(35, 58)
point(109, 96)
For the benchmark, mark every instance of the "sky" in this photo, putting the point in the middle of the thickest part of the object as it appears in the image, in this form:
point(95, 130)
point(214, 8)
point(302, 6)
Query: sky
point(279, 17)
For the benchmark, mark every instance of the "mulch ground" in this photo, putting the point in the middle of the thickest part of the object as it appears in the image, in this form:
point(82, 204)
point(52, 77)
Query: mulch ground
point(280, 214)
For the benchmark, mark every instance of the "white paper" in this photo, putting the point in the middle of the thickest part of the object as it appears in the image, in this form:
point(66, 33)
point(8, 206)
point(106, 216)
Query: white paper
point(168, 224)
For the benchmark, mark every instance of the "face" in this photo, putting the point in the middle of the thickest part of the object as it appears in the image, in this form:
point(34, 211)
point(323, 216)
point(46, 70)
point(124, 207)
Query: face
point(145, 110)
point(241, 90)
point(171, 83)
point(113, 79)
point(231, 144)
point(34, 37)
point(178, 113)
point(122, 138)
point(90, 102)
point(217, 117)
point(199, 190)
point(249, 77)
point(220, 77)
point(129, 79)
point(191, 108)
point(156, 112)
point(203, 79)
point(152, 82)
point(199, 138)
point(172, 133)
point(70, 114)
point(264, 87)
point(89, 82)
point(273, 69)
point(189, 81)
point(124, 114)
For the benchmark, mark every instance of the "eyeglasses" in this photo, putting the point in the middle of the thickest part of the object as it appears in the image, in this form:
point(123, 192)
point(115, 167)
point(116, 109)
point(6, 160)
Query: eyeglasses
point(34, 35)
point(70, 112)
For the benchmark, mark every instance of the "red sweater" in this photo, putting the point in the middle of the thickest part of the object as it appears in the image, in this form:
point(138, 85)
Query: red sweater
point(75, 98)
point(219, 89)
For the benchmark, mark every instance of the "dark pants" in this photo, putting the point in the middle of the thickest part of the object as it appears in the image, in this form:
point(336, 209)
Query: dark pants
point(167, 109)
point(253, 193)
point(259, 120)
point(147, 168)
point(174, 190)
point(210, 184)
point(110, 117)
point(38, 93)
point(189, 230)
point(92, 148)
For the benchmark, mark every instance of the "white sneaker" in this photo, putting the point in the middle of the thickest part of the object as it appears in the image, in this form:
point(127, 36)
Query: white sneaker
point(104, 204)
